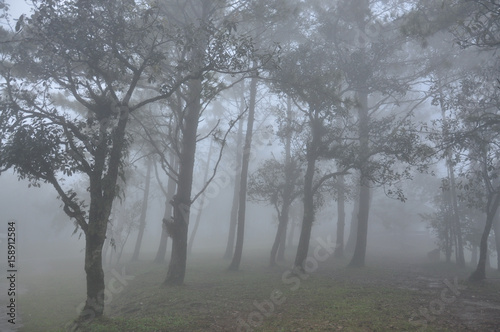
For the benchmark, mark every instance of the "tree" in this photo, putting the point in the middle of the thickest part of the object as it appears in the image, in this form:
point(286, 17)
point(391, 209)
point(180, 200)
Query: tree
point(214, 47)
point(240, 230)
point(277, 182)
point(234, 205)
point(98, 54)
point(476, 137)
point(144, 209)
point(370, 56)
point(308, 77)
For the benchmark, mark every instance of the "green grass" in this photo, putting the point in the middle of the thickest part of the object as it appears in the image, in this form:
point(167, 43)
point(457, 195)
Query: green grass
point(213, 299)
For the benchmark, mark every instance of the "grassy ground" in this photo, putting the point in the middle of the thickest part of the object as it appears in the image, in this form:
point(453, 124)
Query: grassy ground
point(383, 297)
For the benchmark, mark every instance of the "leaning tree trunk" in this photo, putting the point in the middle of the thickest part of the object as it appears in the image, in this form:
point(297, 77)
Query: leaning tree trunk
point(240, 233)
point(202, 202)
point(178, 228)
point(144, 211)
point(167, 214)
point(308, 199)
point(339, 248)
point(280, 235)
point(233, 218)
point(358, 258)
point(491, 209)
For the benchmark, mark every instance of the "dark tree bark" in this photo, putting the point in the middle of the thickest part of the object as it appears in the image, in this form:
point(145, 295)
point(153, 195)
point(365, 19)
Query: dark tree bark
point(280, 235)
point(144, 211)
point(339, 249)
point(102, 194)
point(182, 199)
point(491, 209)
point(358, 259)
point(202, 202)
point(233, 218)
point(240, 233)
point(167, 214)
point(308, 218)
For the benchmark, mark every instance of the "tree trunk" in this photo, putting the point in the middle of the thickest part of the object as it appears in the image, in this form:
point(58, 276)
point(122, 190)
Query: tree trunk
point(353, 229)
point(280, 257)
point(457, 229)
point(308, 218)
point(102, 195)
point(233, 218)
point(182, 200)
point(496, 227)
point(167, 214)
point(162, 248)
point(240, 233)
point(491, 209)
point(358, 259)
point(280, 235)
point(280, 239)
point(291, 234)
point(202, 202)
point(94, 306)
point(339, 249)
point(144, 211)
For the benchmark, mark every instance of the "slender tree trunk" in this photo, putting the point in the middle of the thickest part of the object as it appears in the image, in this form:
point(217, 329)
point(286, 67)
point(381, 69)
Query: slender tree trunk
point(353, 229)
point(167, 213)
point(358, 259)
point(491, 209)
point(144, 211)
point(308, 219)
point(291, 234)
point(280, 257)
point(496, 228)
point(280, 235)
point(182, 200)
point(339, 249)
point(280, 239)
point(233, 218)
point(240, 233)
point(202, 202)
point(162, 248)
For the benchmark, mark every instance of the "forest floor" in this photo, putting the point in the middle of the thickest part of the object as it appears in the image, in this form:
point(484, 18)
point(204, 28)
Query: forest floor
point(387, 295)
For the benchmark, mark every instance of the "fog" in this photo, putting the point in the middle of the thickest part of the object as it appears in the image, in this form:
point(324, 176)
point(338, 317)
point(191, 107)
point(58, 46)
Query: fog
point(249, 165)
